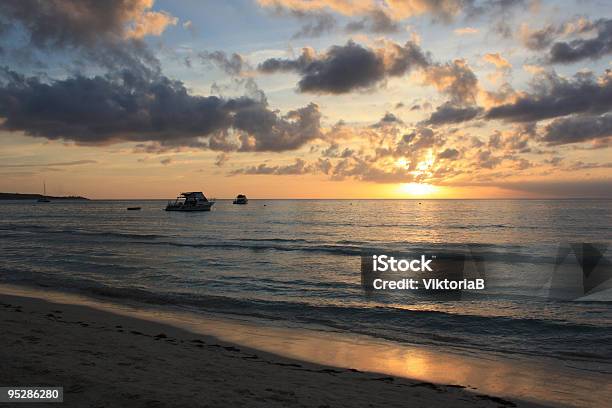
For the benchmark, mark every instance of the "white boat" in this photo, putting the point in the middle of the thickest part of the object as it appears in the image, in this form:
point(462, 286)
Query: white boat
point(241, 199)
point(191, 201)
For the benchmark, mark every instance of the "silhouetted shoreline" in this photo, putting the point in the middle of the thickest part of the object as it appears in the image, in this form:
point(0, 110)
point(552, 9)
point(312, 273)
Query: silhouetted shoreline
point(20, 196)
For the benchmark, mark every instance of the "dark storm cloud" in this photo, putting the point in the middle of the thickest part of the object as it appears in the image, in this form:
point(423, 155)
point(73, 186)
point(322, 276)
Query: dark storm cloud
point(62, 23)
point(554, 96)
point(581, 49)
point(578, 129)
point(597, 45)
point(273, 65)
point(353, 67)
point(107, 33)
point(349, 67)
point(450, 113)
point(264, 130)
point(125, 106)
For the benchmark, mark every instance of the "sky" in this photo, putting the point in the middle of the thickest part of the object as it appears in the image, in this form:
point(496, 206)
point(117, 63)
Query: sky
point(307, 99)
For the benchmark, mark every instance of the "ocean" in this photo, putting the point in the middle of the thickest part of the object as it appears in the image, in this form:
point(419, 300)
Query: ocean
point(297, 262)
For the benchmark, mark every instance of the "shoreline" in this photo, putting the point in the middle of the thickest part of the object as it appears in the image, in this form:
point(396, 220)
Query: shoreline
point(116, 360)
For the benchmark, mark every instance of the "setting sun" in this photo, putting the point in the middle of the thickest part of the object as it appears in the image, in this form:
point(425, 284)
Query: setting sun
point(417, 189)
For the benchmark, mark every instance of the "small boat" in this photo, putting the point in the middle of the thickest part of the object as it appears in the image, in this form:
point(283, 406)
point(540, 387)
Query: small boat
point(241, 199)
point(44, 198)
point(192, 201)
point(133, 208)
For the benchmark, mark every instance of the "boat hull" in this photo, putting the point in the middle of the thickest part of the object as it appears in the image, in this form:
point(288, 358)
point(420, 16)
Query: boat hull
point(202, 207)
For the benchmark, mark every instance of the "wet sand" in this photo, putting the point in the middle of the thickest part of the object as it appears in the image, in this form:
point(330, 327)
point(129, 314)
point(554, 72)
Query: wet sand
point(103, 359)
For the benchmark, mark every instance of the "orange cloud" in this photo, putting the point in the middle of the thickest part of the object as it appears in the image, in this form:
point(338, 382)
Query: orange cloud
point(466, 31)
point(141, 21)
point(497, 60)
point(397, 9)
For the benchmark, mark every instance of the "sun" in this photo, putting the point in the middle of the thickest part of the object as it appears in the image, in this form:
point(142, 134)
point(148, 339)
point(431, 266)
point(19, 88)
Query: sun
point(417, 189)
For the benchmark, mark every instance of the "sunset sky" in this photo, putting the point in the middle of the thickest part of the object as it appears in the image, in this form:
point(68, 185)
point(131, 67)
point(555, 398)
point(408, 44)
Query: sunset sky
point(307, 99)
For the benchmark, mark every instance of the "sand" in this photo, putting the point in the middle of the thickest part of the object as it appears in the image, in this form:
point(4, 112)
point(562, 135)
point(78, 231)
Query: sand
point(104, 359)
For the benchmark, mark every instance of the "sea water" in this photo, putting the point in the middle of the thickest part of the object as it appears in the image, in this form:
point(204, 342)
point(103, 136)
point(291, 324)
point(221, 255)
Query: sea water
point(297, 262)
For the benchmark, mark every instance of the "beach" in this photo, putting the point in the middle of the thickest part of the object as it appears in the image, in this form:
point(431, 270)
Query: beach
point(104, 359)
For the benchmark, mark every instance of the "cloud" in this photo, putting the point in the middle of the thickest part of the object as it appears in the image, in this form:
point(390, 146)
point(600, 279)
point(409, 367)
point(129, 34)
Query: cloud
point(444, 10)
point(376, 21)
point(353, 67)
point(466, 31)
point(317, 24)
point(349, 67)
point(577, 129)
point(577, 48)
point(61, 23)
point(388, 119)
point(221, 159)
point(580, 165)
point(537, 39)
point(107, 33)
point(440, 10)
point(264, 130)
point(486, 159)
point(542, 38)
point(497, 60)
point(455, 79)
point(581, 49)
point(554, 96)
point(299, 167)
point(512, 141)
point(449, 113)
point(126, 106)
point(595, 188)
point(149, 23)
point(367, 170)
point(233, 64)
point(54, 164)
point(449, 154)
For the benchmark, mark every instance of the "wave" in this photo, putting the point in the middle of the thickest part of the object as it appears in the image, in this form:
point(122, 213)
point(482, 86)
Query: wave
point(485, 251)
point(507, 335)
point(49, 230)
